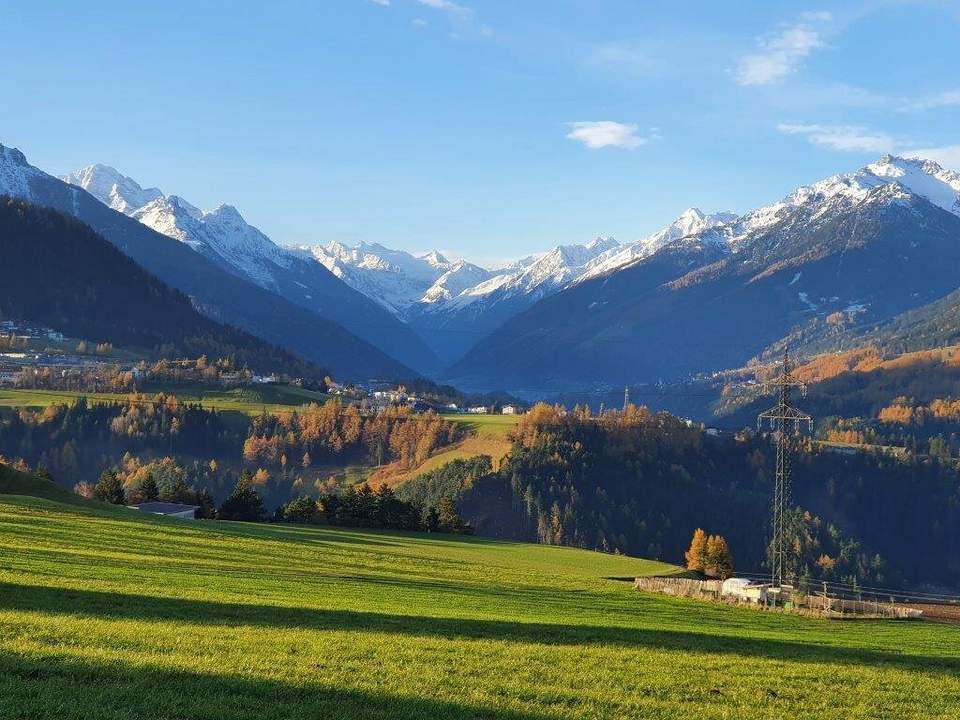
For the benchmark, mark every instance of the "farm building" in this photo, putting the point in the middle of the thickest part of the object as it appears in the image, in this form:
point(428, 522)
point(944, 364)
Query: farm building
point(744, 590)
point(184, 512)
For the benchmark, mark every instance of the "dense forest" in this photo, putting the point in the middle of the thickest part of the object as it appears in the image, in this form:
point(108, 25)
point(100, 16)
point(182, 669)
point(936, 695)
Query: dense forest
point(641, 483)
point(60, 273)
point(174, 443)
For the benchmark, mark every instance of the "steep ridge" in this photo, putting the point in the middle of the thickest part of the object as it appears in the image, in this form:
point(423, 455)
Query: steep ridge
point(226, 239)
point(63, 275)
point(218, 294)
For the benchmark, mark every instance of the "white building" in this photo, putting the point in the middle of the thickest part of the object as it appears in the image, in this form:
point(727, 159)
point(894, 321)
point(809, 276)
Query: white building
point(744, 590)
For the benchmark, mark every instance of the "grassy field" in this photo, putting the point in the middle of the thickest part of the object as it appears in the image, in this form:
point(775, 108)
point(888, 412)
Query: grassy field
point(496, 447)
point(248, 400)
point(486, 425)
point(108, 614)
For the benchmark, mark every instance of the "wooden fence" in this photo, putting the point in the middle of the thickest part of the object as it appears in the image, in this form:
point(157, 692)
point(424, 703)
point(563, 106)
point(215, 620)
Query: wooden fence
point(682, 587)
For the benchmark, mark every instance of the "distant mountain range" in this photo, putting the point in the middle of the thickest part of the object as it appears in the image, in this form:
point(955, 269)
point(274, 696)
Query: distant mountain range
point(219, 294)
point(852, 252)
point(227, 240)
point(866, 257)
point(455, 304)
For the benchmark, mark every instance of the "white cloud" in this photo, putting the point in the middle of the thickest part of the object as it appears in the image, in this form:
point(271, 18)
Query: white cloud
point(947, 98)
point(846, 138)
point(781, 54)
point(448, 6)
point(419, 23)
point(855, 138)
point(948, 155)
point(625, 58)
point(383, 3)
point(596, 134)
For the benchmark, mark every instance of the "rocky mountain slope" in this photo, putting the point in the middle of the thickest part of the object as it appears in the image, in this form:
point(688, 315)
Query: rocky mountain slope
point(226, 239)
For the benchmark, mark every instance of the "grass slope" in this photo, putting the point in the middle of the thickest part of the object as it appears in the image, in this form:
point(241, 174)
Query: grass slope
point(108, 616)
point(17, 483)
point(496, 447)
point(498, 426)
point(248, 400)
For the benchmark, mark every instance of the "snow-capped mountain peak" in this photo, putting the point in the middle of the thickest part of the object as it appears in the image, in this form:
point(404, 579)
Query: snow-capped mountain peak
point(435, 259)
point(922, 177)
point(394, 278)
point(112, 188)
point(16, 173)
point(221, 234)
point(690, 221)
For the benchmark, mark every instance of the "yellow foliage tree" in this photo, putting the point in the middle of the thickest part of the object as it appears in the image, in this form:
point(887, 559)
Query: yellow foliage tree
point(697, 554)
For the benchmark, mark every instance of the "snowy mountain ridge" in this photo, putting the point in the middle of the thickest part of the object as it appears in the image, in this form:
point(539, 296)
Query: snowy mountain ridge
point(222, 232)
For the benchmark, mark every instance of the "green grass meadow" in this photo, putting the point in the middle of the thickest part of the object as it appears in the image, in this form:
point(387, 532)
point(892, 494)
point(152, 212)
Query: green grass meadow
point(495, 426)
point(105, 613)
point(247, 400)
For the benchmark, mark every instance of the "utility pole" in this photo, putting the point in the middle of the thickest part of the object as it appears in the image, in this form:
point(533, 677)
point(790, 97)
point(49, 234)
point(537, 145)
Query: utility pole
point(626, 397)
point(784, 420)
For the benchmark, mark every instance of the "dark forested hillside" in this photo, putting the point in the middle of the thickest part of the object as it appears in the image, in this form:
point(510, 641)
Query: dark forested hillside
point(59, 272)
point(641, 484)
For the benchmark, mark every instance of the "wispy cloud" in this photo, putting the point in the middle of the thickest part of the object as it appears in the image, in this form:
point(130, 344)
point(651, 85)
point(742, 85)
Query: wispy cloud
point(948, 98)
point(448, 6)
point(383, 3)
point(856, 138)
point(625, 58)
point(947, 155)
point(596, 134)
point(847, 138)
point(782, 53)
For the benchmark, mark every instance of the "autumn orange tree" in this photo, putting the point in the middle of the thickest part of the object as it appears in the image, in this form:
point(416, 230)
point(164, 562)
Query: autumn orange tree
point(710, 555)
point(697, 554)
point(719, 561)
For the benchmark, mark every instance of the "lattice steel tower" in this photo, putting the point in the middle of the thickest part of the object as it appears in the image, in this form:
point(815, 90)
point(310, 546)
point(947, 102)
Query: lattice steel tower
point(784, 420)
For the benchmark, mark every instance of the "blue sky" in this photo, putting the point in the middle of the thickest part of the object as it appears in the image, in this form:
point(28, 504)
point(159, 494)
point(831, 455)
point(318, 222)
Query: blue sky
point(488, 129)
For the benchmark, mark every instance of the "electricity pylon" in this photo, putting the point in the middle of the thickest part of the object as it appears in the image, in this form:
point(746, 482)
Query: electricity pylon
point(784, 420)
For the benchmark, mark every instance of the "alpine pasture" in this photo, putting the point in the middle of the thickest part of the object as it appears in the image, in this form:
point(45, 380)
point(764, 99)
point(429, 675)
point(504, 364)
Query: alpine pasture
point(106, 613)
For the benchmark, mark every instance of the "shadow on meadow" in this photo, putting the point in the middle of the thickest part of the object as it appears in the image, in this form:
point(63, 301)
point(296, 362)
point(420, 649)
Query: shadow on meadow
point(67, 688)
point(112, 606)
